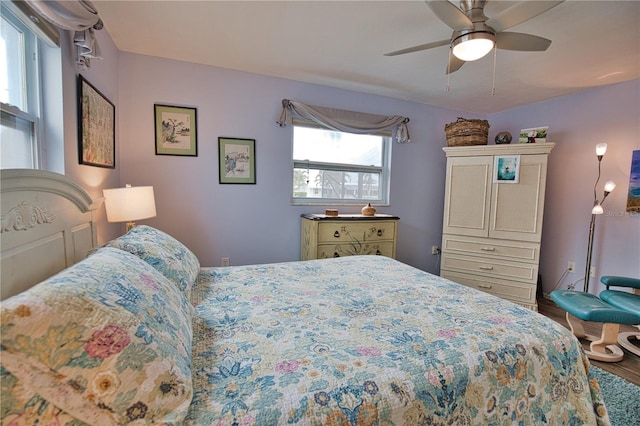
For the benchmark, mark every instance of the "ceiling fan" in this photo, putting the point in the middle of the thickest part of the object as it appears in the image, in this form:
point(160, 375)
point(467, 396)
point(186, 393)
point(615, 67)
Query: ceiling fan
point(475, 35)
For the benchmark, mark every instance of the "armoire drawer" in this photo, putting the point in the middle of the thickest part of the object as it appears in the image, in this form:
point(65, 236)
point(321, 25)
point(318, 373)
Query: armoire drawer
point(489, 247)
point(383, 248)
point(516, 271)
point(521, 293)
point(335, 232)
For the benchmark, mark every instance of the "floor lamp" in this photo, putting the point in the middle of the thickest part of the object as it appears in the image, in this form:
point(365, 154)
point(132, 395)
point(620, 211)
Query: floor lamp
point(597, 209)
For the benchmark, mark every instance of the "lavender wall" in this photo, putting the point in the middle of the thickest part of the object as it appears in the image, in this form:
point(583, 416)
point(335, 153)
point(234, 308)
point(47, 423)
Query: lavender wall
point(103, 75)
point(577, 123)
point(256, 223)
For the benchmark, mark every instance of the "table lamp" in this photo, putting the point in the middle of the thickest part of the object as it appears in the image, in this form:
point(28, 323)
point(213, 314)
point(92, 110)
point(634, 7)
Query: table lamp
point(129, 204)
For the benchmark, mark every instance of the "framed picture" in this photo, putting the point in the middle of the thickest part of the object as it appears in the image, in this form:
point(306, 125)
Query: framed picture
point(506, 169)
point(176, 128)
point(96, 127)
point(633, 197)
point(237, 160)
point(533, 135)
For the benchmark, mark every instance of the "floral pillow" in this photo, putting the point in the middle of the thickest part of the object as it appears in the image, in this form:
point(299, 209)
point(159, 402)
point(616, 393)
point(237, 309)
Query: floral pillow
point(163, 252)
point(106, 341)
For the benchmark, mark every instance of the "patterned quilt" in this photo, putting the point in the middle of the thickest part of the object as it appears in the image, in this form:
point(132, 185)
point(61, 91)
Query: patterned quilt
point(367, 340)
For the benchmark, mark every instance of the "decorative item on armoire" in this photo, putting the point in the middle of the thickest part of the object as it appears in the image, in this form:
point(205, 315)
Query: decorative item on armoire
point(533, 135)
point(503, 138)
point(368, 210)
point(464, 132)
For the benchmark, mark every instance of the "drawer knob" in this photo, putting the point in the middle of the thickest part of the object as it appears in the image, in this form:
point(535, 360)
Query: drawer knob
point(488, 249)
point(379, 232)
point(335, 254)
point(486, 268)
point(378, 252)
point(336, 234)
point(487, 286)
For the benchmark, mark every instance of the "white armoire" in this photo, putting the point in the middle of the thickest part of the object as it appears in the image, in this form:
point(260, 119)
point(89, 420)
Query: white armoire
point(493, 210)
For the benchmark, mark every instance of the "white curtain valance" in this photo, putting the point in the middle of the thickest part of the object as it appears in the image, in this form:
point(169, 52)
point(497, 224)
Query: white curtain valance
point(74, 15)
point(345, 121)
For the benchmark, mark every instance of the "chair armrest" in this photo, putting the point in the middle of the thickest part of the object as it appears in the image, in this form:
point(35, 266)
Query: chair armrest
point(613, 281)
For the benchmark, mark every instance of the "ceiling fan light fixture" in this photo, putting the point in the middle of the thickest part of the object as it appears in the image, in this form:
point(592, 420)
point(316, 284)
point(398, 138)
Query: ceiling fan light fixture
point(473, 46)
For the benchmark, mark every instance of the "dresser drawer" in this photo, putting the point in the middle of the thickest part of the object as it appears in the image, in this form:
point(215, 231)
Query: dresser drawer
point(383, 248)
point(493, 248)
point(516, 271)
point(521, 293)
point(357, 232)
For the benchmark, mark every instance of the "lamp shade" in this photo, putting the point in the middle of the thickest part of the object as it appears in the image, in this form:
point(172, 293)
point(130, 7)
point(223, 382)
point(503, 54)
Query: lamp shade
point(601, 148)
point(473, 46)
point(609, 186)
point(129, 203)
point(597, 209)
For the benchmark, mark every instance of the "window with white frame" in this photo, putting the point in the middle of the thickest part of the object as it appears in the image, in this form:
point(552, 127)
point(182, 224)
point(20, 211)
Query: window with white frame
point(22, 144)
point(338, 168)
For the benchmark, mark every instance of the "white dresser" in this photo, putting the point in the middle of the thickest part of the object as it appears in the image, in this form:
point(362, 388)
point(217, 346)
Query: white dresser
point(492, 230)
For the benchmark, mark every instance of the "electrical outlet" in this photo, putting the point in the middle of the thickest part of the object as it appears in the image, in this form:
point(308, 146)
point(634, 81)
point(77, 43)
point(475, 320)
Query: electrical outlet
point(571, 266)
point(592, 272)
point(224, 261)
point(435, 250)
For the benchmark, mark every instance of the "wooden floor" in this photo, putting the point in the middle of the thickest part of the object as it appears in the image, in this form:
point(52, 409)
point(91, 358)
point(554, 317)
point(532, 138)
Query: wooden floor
point(628, 368)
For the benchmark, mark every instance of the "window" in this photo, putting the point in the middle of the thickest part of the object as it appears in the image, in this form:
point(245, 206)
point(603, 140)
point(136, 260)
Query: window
point(332, 167)
point(22, 47)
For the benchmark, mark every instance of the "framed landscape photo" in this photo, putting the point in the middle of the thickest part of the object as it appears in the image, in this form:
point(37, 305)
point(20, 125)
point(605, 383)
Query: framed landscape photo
point(175, 129)
point(96, 127)
point(506, 169)
point(237, 160)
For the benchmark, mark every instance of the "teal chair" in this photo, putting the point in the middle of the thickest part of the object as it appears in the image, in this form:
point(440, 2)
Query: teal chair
point(626, 301)
point(612, 308)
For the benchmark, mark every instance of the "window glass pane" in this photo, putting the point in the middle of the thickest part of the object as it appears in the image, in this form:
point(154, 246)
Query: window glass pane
point(12, 71)
point(327, 146)
point(339, 168)
point(336, 184)
point(16, 142)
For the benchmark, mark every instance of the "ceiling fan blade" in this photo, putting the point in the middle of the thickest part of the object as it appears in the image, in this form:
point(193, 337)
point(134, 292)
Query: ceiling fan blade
point(419, 47)
point(520, 13)
point(450, 15)
point(454, 64)
point(521, 42)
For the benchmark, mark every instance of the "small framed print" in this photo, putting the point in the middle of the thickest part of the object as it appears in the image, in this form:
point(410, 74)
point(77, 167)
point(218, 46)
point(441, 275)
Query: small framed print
point(533, 135)
point(237, 160)
point(506, 169)
point(176, 128)
point(96, 127)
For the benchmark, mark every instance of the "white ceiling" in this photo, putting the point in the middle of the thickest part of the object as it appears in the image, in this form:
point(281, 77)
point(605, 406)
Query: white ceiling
point(342, 44)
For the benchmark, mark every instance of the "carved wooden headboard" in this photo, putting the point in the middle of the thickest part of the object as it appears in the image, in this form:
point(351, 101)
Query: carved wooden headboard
point(47, 225)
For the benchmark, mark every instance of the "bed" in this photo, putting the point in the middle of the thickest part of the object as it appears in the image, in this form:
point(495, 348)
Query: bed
point(139, 332)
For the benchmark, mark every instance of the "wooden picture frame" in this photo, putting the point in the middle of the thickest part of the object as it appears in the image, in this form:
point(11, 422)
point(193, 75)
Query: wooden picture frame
point(237, 160)
point(96, 127)
point(176, 130)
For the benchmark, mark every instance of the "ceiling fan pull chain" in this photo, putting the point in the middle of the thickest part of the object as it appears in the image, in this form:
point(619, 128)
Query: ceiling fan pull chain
point(495, 57)
point(449, 71)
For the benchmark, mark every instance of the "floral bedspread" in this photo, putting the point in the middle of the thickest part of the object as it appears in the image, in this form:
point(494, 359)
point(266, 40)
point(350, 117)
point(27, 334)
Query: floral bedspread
point(366, 340)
